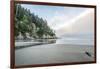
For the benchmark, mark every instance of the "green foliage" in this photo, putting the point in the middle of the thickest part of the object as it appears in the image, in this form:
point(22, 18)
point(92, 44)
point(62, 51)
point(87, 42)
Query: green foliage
point(27, 22)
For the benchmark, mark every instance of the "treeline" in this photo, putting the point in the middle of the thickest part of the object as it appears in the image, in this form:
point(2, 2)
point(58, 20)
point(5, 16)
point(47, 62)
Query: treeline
point(28, 24)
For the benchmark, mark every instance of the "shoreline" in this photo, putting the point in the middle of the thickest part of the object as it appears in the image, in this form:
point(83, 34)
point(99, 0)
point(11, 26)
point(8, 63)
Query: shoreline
point(21, 45)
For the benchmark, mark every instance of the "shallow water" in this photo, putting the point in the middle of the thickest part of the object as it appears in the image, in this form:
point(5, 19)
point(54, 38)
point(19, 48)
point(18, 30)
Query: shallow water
point(75, 41)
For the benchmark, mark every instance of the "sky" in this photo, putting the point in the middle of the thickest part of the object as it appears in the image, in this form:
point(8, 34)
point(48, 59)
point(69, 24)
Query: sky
point(65, 20)
point(81, 24)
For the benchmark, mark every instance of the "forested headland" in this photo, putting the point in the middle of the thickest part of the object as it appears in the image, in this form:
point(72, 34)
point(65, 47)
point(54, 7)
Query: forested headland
point(30, 26)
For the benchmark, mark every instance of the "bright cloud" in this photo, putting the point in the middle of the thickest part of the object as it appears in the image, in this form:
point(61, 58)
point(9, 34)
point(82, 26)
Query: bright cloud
point(84, 23)
point(63, 17)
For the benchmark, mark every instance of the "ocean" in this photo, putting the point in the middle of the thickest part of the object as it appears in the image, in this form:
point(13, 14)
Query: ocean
point(76, 40)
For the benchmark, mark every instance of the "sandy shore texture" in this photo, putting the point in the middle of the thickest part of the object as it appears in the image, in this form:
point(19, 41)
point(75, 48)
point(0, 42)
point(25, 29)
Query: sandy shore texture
point(53, 53)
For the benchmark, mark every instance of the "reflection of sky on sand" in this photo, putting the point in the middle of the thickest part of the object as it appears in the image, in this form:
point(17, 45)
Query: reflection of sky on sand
point(53, 53)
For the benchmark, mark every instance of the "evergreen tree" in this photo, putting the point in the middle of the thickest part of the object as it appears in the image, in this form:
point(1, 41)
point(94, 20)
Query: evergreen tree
point(24, 21)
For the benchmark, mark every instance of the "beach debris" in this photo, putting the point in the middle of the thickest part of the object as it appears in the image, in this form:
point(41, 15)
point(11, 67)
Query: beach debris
point(87, 53)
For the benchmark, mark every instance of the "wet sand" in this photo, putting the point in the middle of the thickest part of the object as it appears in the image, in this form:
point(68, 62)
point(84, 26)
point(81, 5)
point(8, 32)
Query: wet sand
point(53, 53)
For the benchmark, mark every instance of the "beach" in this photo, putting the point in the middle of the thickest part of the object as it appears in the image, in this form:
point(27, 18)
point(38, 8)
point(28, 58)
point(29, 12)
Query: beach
point(53, 53)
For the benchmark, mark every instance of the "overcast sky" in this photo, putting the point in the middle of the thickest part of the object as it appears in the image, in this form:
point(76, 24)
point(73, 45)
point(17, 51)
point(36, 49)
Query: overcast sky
point(65, 20)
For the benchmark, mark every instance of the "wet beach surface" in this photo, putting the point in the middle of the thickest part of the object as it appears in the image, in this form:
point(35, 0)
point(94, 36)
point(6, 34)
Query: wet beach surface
point(53, 53)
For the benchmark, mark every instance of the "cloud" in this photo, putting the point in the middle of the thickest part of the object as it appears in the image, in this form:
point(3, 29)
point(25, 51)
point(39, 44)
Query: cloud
point(84, 23)
point(58, 20)
point(66, 14)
